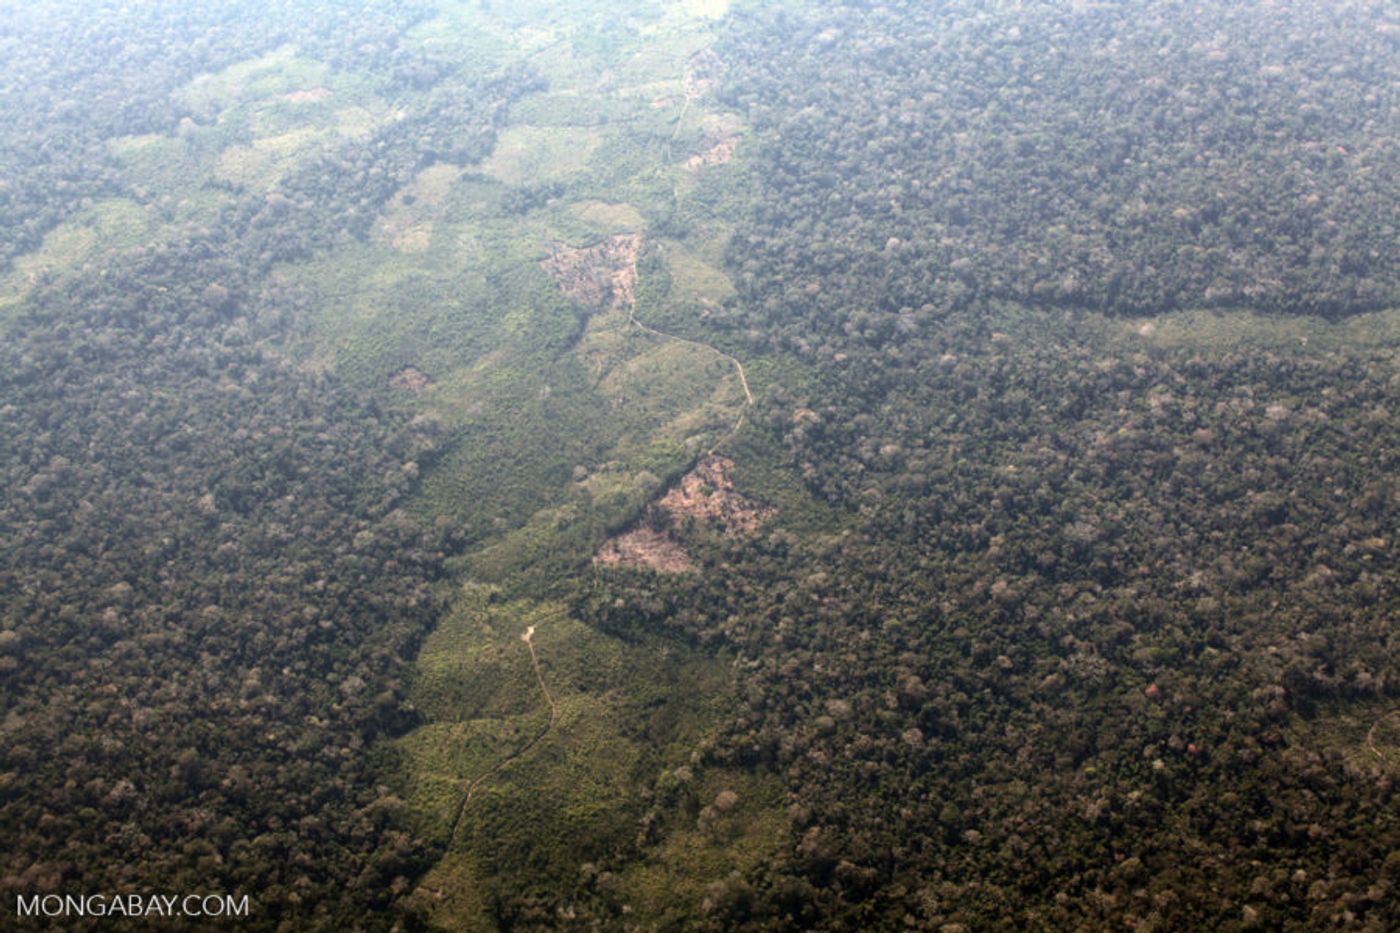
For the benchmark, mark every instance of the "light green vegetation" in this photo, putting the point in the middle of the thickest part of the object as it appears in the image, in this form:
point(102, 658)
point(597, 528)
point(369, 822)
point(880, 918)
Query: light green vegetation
point(411, 218)
point(256, 120)
point(1365, 735)
point(176, 167)
point(565, 421)
point(276, 73)
point(549, 391)
point(559, 421)
point(567, 792)
point(109, 226)
point(464, 31)
point(693, 280)
point(609, 218)
point(64, 247)
point(533, 154)
point(267, 159)
point(1252, 329)
point(704, 844)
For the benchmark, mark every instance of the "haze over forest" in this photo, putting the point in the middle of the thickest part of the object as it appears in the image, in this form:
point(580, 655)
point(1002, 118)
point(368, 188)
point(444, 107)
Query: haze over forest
point(697, 465)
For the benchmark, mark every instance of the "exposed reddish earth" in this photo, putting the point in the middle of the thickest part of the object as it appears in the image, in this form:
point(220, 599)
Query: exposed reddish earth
point(705, 495)
point(598, 276)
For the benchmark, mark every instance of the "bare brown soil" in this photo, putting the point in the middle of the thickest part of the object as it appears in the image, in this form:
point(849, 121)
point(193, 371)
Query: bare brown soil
point(409, 379)
point(597, 276)
point(721, 150)
point(645, 546)
point(705, 495)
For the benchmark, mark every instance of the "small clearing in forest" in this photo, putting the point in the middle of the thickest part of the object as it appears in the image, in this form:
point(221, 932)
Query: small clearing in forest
point(721, 150)
point(706, 495)
point(310, 96)
point(409, 379)
point(645, 546)
point(597, 276)
point(702, 73)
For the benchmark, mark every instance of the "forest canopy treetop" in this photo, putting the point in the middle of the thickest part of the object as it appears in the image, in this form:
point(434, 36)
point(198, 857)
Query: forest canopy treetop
point(1132, 158)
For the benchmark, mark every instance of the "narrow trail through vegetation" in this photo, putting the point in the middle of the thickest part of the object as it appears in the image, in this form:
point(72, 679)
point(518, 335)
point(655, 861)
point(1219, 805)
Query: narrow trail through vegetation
point(738, 367)
point(1371, 733)
point(528, 638)
point(528, 635)
point(632, 310)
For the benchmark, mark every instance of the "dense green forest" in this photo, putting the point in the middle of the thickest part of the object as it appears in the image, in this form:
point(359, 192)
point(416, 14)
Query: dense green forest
point(769, 466)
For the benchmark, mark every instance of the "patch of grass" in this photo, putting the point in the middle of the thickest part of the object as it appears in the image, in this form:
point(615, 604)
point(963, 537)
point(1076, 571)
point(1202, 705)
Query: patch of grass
point(358, 121)
point(168, 164)
point(1220, 329)
point(665, 45)
point(535, 154)
point(444, 757)
point(125, 146)
point(654, 386)
point(625, 712)
point(383, 310)
point(628, 166)
point(419, 205)
point(278, 72)
point(260, 165)
point(254, 120)
point(467, 30)
point(609, 218)
point(62, 249)
point(694, 280)
point(456, 896)
point(473, 665)
point(123, 224)
point(569, 75)
point(108, 226)
point(574, 110)
point(617, 490)
point(1366, 735)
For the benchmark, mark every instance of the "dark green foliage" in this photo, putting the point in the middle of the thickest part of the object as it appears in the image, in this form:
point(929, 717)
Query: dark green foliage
point(521, 199)
point(1075, 655)
point(1064, 647)
point(1127, 157)
point(210, 598)
point(85, 75)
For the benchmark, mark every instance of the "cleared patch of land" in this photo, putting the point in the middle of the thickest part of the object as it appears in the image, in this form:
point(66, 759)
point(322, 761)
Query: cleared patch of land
point(535, 154)
point(567, 794)
point(704, 496)
point(611, 218)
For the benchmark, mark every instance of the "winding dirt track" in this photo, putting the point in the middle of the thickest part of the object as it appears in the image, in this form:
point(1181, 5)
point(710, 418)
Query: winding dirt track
point(528, 635)
point(528, 638)
point(738, 367)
